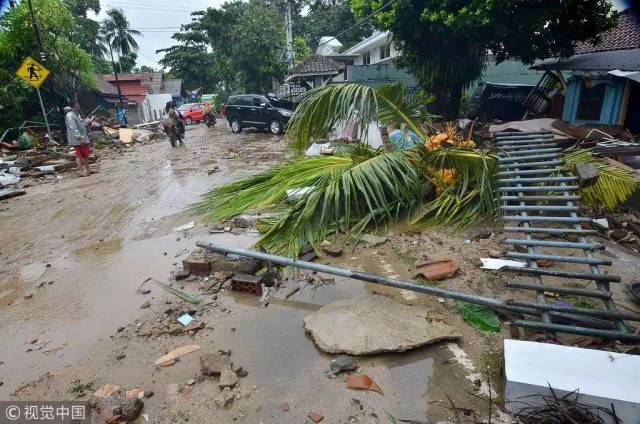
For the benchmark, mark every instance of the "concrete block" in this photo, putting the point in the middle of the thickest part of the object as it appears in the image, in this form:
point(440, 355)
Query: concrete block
point(587, 174)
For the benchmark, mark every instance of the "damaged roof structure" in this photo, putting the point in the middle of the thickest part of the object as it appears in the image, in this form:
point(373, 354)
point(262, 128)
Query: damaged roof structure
point(604, 85)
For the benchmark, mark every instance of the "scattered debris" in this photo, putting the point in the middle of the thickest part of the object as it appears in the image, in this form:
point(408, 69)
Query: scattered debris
point(436, 270)
point(228, 378)
point(602, 223)
point(145, 305)
point(138, 393)
point(284, 406)
point(183, 274)
point(295, 194)
point(342, 363)
point(182, 295)
point(634, 291)
point(240, 222)
point(315, 416)
point(363, 382)
point(131, 409)
point(169, 358)
point(332, 250)
point(544, 263)
point(184, 227)
point(481, 235)
point(247, 283)
point(185, 319)
point(493, 264)
point(106, 391)
point(7, 193)
point(214, 170)
point(212, 364)
point(224, 398)
point(373, 324)
point(373, 240)
point(587, 174)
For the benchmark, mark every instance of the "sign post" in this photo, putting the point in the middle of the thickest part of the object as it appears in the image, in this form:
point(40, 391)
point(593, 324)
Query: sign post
point(34, 73)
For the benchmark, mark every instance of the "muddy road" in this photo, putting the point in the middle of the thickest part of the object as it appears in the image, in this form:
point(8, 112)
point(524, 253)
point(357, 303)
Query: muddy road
point(74, 252)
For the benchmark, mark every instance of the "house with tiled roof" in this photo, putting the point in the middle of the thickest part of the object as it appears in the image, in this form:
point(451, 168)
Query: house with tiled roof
point(604, 83)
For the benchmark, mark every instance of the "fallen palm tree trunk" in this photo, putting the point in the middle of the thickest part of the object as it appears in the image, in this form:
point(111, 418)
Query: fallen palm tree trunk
point(406, 285)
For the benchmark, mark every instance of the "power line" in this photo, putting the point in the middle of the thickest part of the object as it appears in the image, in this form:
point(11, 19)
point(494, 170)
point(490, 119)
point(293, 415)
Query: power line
point(361, 21)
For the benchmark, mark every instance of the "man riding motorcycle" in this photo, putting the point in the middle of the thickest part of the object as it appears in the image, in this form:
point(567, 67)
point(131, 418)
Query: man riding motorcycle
point(209, 115)
point(173, 124)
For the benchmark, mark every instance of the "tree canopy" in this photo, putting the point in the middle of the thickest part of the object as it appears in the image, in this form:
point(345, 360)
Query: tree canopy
point(445, 43)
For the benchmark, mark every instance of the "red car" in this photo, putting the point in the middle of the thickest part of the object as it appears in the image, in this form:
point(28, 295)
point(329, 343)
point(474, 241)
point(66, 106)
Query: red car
point(192, 112)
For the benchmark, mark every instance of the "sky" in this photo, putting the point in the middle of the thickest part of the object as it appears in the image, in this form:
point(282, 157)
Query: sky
point(158, 20)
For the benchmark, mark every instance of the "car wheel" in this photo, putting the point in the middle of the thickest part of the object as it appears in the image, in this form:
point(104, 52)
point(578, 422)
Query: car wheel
point(188, 121)
point(235, 126)
point(275, 127)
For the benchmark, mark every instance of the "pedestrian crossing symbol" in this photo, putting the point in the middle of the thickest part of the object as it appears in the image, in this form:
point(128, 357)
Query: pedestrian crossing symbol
point(32, 72)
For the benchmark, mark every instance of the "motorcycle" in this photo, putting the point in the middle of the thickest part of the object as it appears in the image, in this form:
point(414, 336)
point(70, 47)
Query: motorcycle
point(176, 132)
point(210, 119)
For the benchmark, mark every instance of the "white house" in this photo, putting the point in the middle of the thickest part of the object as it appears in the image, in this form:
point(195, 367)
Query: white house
point(375, 49)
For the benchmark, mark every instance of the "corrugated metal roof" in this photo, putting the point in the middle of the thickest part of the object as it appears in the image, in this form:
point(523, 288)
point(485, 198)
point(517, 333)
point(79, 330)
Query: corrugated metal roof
point(624, 60)
point(128, 77)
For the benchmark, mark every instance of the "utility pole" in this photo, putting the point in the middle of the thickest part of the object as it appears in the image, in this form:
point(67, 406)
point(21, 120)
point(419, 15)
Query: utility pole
point(289, 31)
point(43, 58)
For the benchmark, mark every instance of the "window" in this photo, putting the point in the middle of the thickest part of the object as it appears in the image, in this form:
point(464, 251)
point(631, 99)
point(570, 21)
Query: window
point(257, 101)
point(366, 58)
point(591, 100)
point(385, 51)
point(244, 101)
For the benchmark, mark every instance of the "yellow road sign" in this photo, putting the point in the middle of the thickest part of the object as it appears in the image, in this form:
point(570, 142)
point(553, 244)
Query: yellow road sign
point(32, 72)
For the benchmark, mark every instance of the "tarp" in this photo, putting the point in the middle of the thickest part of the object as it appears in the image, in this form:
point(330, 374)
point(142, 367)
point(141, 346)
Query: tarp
point(633, 76)
point(541, 124)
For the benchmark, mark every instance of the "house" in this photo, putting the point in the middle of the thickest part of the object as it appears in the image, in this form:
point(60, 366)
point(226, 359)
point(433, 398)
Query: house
point(604, 83)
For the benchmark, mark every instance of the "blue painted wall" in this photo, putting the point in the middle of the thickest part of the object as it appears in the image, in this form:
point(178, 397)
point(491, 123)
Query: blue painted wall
point(611, 105)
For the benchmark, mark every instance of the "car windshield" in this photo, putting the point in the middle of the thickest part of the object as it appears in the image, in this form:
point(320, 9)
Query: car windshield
point(184, 107)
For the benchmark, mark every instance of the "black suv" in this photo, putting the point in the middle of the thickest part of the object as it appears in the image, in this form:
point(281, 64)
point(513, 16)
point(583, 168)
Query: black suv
point(258, 111)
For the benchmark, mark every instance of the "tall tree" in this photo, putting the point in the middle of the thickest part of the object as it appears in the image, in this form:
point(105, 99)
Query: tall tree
point(444, 43)
point(69, 64)
point(117, 34)
point(330, 18)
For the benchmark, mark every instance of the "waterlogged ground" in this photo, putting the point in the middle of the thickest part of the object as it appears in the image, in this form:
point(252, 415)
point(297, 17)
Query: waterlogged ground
point(75, 251)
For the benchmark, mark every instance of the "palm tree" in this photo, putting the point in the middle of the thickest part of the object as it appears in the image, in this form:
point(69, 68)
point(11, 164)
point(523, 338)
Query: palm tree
point(117, 35)
point(360, 187)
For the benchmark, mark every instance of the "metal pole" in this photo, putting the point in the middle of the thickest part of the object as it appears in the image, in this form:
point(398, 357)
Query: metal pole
point(371, 278)
point(44, 114)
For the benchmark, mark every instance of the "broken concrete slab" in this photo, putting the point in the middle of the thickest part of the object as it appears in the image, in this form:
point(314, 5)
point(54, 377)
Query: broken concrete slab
point(373, 324)
point(228, 378)
point(224, 398)
point(201, 261)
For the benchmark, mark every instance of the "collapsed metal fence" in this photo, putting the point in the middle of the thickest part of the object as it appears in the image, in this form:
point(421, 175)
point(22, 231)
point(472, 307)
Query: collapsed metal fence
point(538, 193)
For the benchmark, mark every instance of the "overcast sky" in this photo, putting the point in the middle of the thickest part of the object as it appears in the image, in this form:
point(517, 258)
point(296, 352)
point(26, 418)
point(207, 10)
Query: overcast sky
point(159, 19)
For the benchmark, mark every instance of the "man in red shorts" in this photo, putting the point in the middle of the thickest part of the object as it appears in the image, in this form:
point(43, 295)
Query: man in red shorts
point(78, 137)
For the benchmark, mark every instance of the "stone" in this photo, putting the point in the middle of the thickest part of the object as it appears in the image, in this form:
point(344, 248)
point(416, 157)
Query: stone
point(213, 363)
point(28, 296)
point(617, 235)
point(145, 305)
point(148, 393)
point(240, 222)
point(332, 250)
point(224, 398)
point(587, 174)
point(228, 378)
point(309, 256)
point(222, 263)
point(373, 240)
point(635, 227)
point(316, 416)
point(131, 409)
point(480, 235)
point(120, 329)
point(145, 291)
point(182, 274)
point(342, 363)
point(494, 253)
point(374, 324)
point(141, 136)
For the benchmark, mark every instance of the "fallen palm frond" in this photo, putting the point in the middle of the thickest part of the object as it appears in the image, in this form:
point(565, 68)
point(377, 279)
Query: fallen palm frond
point(614, 185)
point(323, 108)
point(368, 187)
